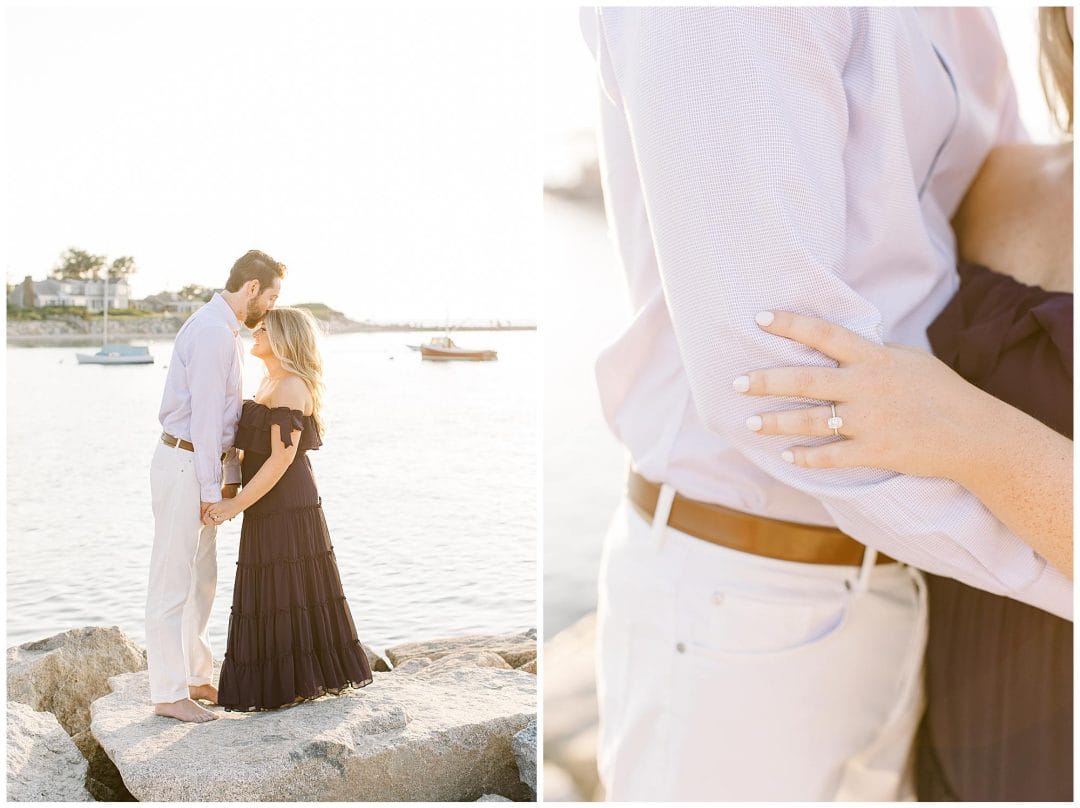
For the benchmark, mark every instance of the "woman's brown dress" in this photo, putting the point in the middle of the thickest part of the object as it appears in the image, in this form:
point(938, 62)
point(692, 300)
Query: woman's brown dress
point(999, 673)
point(291, 635)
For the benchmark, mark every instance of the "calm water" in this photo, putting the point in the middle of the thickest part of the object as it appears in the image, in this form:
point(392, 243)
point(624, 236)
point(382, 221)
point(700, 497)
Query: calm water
point(428, 475)
point(585, 308)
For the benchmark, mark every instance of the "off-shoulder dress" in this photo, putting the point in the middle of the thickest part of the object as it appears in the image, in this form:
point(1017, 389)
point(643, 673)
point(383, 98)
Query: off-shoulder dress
point(291, 633)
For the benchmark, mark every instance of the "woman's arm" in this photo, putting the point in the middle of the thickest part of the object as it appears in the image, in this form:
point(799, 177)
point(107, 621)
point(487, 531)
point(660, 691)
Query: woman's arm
point(904, 410)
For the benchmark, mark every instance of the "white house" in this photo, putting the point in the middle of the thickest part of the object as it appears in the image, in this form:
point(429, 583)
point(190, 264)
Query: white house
point(72, 293)
point(169, 302)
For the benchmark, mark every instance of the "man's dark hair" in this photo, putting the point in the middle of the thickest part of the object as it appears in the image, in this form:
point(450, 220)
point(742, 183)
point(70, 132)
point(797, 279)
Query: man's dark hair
point(257, 265)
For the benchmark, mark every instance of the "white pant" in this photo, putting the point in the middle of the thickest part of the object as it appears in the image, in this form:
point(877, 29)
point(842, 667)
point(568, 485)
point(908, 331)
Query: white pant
point(728, 676)
point(183, 579)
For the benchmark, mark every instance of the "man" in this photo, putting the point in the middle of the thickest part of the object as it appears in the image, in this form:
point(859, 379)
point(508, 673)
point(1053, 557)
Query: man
point(758, 160)
point(194, 466)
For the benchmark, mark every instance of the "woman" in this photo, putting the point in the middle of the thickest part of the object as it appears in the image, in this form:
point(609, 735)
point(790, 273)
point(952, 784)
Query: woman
point(998, 724)
point(291, 635)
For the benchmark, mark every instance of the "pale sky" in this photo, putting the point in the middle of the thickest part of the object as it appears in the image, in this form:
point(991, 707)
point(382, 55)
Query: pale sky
point(389, 157)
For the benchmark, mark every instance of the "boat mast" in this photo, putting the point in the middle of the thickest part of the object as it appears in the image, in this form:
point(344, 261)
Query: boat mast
point(105, 300)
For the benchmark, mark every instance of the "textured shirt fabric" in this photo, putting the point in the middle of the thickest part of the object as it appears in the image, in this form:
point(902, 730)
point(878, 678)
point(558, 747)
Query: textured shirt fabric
point(203, 394)
point(807, 160)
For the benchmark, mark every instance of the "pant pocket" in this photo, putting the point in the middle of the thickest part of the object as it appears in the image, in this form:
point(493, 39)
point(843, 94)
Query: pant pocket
point(725, 621)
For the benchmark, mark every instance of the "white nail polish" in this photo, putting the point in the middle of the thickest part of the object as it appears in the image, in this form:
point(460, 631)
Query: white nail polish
point(788, 455)
point(741, 384)
point(764, 318)
point(753, 423)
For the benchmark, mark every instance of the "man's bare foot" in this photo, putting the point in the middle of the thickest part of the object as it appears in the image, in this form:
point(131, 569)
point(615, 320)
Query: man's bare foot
point(185, 710)
point(203, 693)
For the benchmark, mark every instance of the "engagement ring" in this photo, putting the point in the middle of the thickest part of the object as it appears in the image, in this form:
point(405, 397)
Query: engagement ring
point(836, 422)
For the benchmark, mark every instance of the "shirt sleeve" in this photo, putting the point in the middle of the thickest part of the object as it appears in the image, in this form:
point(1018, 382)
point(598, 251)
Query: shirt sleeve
point(212, 354)
point(739, 121)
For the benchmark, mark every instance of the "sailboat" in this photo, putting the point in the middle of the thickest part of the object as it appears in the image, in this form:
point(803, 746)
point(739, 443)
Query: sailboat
point(115, 354)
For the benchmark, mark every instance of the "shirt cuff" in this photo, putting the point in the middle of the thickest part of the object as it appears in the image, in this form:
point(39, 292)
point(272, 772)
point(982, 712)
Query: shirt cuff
point(1051, 591)
point(230, 468)
point(210, 493)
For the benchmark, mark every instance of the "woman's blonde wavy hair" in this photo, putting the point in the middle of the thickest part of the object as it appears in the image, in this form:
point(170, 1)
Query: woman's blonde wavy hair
point(1056, 64)
point(294, 338)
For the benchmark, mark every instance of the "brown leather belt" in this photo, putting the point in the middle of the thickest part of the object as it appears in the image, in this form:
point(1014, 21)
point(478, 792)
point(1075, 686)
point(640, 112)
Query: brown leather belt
point(169, 440)
point(758, 535)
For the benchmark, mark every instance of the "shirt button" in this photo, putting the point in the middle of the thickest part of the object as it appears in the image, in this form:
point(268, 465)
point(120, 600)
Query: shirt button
point(680, 647)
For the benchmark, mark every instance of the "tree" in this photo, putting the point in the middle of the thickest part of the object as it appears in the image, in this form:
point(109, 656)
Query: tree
point(78, 264)
point(122, 267)
point(195, 292)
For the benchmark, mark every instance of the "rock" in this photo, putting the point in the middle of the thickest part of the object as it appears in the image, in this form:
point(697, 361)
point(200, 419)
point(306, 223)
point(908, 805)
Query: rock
point(460, 659)
point(103, 781)
point(516, 649)
point(570, 708)
point(43, 763)
point(374, 658)
point(63, 675)
point(66, 672)
point(412, 665)
point(439, 734)
point(476, 659)
point(524, 747)
point(492, 798)
point(528, 667)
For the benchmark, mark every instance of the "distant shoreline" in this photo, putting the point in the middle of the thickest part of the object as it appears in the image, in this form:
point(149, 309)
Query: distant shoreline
point(66, 333)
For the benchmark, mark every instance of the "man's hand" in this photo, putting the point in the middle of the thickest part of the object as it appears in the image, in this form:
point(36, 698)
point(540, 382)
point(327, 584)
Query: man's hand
point(203, 508)
point(228, 491)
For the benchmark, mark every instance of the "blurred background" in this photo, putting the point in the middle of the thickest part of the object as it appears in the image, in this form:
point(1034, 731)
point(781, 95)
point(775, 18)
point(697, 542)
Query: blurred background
point(587, 307)
point(388, 156)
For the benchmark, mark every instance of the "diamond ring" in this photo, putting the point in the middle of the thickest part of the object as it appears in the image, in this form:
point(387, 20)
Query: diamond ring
point(836, 422)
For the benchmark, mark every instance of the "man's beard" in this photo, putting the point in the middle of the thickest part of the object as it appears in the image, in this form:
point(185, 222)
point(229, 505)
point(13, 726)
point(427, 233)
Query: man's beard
point(255, 314)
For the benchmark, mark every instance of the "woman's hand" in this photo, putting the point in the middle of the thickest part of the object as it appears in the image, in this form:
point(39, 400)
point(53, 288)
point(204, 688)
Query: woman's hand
point(902, 409)
point(222, 511)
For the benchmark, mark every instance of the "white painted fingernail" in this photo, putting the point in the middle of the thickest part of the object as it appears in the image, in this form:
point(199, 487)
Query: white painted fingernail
point(741, 384)
point(753, 422)
point(788, 455)
point(763, 318)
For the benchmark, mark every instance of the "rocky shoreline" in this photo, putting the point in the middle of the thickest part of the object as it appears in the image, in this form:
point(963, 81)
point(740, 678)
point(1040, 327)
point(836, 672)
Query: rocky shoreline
point(449, 719)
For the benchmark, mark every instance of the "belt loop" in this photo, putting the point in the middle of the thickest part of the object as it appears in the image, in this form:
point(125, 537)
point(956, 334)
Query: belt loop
point(663, 510)
point(869, 560)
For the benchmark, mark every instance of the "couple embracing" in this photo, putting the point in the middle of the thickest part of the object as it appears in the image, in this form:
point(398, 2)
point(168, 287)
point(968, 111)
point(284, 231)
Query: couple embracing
point(843, 567)
point(291, 634)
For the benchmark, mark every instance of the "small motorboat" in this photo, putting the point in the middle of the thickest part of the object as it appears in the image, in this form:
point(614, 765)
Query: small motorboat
point(118, 355)
point(443, 348)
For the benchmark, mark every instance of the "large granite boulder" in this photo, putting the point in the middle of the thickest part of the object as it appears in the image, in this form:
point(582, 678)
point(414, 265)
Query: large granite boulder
point(524, 746)
point(515, 649)
point(43, 763)
point(440, 734)
point(66, 672)
point(63, 675)
point(570, 713)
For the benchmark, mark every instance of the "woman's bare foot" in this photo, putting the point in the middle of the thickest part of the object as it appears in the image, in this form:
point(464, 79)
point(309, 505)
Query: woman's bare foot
point(203, 693)
point(185, 710)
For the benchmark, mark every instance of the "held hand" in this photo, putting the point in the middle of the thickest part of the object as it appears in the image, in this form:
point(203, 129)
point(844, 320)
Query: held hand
point(203, 517)
point(902, 409)
point(223, 511)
